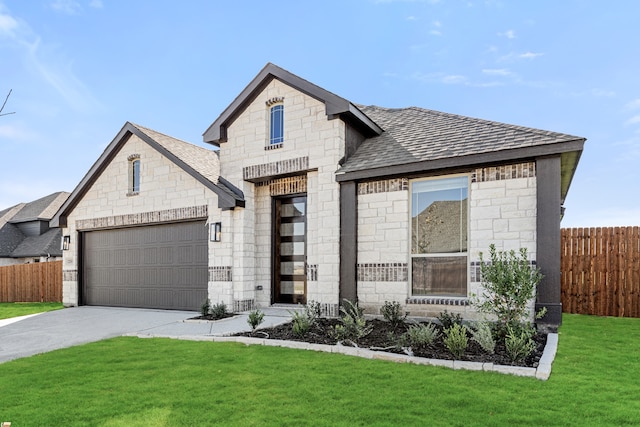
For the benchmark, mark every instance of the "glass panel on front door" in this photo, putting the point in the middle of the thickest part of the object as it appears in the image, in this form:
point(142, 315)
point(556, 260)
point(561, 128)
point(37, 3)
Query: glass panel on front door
point(290, 250)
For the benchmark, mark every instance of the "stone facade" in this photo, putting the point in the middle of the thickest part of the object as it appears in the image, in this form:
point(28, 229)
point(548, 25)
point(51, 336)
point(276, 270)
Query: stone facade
point(501, 210)
point(167, 194)
point(313, 145)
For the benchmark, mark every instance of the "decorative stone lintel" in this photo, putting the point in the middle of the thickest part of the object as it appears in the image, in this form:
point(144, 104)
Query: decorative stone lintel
point(265, 171)
point(154, 217)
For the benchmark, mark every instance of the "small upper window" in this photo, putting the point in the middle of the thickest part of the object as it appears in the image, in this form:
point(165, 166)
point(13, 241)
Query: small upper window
point(134, 174)
point(276, 128)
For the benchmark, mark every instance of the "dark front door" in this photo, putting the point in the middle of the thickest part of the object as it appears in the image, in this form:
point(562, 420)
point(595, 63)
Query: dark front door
point(290, 250)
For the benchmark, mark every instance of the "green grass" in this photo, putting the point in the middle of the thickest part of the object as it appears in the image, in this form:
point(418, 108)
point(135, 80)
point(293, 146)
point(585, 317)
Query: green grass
point(15, 309)
point(161, 382)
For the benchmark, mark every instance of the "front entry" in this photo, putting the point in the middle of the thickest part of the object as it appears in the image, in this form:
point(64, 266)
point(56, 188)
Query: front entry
point(290, 250)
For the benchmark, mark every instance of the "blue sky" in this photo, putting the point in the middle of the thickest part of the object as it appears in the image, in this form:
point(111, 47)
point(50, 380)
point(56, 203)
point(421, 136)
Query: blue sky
point(79, 69)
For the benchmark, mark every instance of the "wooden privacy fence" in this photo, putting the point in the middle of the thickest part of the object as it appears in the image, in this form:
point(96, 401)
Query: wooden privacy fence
point(37, 282)
point(600, 271)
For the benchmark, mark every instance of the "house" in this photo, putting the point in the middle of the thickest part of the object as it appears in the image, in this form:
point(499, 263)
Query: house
point(307, 196)
point(25, 236)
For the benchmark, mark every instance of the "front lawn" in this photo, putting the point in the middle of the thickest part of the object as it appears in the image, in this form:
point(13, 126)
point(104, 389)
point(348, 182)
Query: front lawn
point(162, 382)
point(15, 309)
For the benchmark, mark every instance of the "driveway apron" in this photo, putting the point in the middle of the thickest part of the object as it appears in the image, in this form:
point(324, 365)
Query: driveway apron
point(79, 325)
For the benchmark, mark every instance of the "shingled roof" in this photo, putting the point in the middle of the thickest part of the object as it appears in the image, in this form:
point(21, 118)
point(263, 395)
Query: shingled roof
point(14, 243)
point(415, 134)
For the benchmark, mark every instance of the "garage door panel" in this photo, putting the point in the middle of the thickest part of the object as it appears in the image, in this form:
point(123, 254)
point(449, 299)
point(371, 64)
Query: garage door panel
point(160, 266)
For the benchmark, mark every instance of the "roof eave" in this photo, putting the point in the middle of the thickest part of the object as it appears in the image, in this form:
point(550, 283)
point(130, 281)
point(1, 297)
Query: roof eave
point(464, 161)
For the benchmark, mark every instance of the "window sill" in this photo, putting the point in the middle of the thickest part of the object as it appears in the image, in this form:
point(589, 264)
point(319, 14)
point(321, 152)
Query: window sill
point(274, 146)
point(457, 301)
point(133, 193)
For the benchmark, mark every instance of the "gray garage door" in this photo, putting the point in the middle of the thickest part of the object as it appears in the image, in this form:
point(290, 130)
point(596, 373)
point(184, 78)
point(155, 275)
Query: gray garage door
point(160, 266)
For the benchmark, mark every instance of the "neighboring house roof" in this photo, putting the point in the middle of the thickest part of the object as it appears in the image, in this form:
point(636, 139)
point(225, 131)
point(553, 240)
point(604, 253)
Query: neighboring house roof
point(201, 163)
point(416, 140)
point(47, 244)
point(15, 244)
point(335, 106)
point(41, 209)
point(10, 238)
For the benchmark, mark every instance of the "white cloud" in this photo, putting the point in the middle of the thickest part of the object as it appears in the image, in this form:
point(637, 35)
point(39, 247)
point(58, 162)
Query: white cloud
point(411, 18)
point(497, 72)
point(47, 62)
point(633, 120)
point(96, 4)
point(435, 33)
point(510, 34)
point(633, 105)
point(454, 79)
point(530, 55)
point(7, 25)
point(69, 7)
point(16, 133)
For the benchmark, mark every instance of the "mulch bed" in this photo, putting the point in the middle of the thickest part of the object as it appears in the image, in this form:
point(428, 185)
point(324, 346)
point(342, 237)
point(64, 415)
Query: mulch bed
point(384, 337)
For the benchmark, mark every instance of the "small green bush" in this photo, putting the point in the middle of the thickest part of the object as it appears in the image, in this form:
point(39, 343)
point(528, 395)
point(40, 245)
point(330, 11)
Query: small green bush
point(519, 341)
point(256, 317)
point(422, 334)
point(456, 340)
point(354, 325)
point(392, 313)
point(447, 320)
point(205, 307)
point(509, 283)
point(483, 334)
point(300, 323)
point(219, 311)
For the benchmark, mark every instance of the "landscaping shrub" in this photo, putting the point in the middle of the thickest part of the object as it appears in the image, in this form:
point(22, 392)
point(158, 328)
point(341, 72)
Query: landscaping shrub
point(392, 313)
point(302, 322)
point(256, 317)
point(447, 320)
point(482, 333)
point(353, 324)
point(219, 311)
point(456, 340)
point(205, 307)
point(509, 283)
point(519, 341)
point(422, 334)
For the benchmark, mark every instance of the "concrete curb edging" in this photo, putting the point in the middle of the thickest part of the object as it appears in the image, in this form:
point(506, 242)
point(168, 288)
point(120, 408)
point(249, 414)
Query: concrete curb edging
point(542, 372)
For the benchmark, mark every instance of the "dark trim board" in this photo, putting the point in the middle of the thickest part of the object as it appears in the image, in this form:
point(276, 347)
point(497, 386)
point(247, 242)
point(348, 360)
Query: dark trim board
point(348, 241)
point(548, 249)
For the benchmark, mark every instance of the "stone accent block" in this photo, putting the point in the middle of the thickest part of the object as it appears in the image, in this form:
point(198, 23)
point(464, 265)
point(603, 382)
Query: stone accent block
point(282, 167)
point(70, 275)
point(154, 217)
point(221, 274)
point(498, 173)
point(383, 186)
point(243, 305)
point(383, 272)
point(288, 185)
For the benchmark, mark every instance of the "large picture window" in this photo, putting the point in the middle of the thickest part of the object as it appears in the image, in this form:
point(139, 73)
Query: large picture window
point(439, 234)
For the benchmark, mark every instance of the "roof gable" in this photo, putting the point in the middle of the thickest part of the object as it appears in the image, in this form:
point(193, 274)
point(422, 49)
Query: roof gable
point(200, 163)
point(335, 106)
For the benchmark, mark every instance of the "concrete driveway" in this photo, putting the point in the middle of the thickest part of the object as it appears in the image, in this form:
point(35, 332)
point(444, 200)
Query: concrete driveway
point(79, 325)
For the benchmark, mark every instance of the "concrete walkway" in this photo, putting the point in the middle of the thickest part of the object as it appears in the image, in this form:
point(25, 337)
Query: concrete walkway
point(34, 334)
